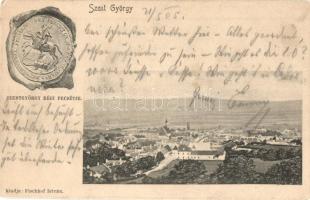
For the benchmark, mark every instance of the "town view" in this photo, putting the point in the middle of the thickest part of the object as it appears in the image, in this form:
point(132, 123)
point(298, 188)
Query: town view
point(182, 150)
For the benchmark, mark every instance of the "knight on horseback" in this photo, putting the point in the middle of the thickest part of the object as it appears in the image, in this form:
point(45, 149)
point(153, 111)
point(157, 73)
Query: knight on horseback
point(43, 36)
point(41, 41)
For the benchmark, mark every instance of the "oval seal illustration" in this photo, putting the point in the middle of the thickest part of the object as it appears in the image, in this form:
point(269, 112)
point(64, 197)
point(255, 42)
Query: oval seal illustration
point(40, 49)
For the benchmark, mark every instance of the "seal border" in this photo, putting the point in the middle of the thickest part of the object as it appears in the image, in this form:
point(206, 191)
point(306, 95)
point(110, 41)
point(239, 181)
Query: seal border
point(65, 79)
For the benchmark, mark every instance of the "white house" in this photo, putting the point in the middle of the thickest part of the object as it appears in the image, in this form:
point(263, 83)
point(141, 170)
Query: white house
point(186, 153)
point(208, 155)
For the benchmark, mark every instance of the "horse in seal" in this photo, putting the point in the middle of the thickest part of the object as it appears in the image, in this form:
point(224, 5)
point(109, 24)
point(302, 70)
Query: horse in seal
point(40, 42)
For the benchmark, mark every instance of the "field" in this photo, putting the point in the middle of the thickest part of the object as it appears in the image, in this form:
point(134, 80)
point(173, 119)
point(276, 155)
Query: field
point(262, 166)
point(211, 165)
point(165, 171)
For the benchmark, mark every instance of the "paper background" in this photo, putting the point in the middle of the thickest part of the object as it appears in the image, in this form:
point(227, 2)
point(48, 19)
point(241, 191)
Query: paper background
point(69, 177)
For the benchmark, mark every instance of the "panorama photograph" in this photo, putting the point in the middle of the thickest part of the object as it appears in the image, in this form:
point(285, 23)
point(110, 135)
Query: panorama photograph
point(165, 141)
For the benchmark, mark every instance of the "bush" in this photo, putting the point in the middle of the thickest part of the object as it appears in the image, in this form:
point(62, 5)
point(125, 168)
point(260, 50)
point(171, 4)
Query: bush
point(286, 172)
point(159, 157)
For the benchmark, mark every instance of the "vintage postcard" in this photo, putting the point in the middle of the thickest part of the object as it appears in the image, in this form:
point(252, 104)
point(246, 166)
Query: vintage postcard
point(147, 99)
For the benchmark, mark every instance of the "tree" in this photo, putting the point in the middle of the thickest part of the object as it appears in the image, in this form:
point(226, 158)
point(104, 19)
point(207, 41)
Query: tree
point(125, 169)
point(186, 171)
point(159, 157)
point(286, 172)
point(237, 169)
point(296, 141)
point(145, 163)
point(90, 159)
point(86, 176)
point(280, 154)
